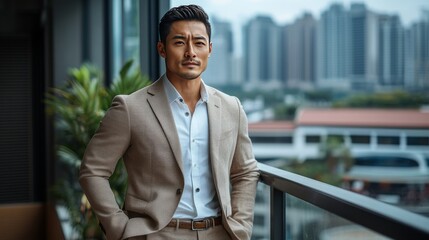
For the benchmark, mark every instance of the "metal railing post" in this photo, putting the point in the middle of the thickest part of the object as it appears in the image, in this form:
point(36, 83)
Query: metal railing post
point(278, 213)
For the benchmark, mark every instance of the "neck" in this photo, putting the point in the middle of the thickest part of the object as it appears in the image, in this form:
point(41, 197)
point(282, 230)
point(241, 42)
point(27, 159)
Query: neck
point(189, 90)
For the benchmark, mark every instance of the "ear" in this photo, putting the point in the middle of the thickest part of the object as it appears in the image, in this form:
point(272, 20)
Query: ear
point(210, 48)
point(161, 49)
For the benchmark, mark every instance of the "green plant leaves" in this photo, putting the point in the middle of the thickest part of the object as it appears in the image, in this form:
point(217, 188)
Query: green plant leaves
point(130, 78)
point(78, 107)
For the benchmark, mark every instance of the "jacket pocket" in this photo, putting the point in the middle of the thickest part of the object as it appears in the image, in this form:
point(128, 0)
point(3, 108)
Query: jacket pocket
point(135, 204)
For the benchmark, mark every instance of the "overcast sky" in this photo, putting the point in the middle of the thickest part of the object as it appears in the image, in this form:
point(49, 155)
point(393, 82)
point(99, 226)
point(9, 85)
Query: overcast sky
point(286, 11)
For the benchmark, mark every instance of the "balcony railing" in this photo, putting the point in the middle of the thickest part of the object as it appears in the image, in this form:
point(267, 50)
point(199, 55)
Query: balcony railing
point(382, 218)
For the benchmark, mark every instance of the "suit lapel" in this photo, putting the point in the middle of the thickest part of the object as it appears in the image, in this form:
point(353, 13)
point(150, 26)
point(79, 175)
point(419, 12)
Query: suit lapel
point(215, 124)
point(161, 108)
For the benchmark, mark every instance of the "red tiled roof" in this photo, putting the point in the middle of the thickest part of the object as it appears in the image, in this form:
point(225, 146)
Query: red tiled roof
point(396, 118)
point(272, 126)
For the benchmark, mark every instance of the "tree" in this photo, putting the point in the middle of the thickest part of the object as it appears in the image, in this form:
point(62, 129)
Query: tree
point(396, 99)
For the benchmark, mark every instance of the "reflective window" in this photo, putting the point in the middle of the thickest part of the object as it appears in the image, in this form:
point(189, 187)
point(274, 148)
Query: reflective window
point(312, 139)
point(126, 33)
point(272, 139)
point(360, 139)
point(418, 141)
point(388, 140)
point(385, 161)
point(131, 32)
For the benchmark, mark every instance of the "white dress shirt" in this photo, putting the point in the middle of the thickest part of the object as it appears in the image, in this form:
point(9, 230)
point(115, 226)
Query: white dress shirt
point(199, 198)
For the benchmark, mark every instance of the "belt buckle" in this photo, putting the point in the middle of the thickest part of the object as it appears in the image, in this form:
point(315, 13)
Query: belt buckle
point(199, 229)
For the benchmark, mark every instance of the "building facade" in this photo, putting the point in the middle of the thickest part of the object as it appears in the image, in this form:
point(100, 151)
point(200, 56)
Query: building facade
point(359, 130)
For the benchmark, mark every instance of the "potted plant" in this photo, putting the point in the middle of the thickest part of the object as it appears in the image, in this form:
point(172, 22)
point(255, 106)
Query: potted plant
point(78, 108)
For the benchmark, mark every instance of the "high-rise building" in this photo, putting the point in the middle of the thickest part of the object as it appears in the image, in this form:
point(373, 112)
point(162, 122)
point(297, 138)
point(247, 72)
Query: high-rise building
point(219, 70)
point(364, 47)
point(301, 52)
point(262, 58)
point(333, 48)
point(391, 52)
point(345, 49)
point(409, 60)
point(417, 54)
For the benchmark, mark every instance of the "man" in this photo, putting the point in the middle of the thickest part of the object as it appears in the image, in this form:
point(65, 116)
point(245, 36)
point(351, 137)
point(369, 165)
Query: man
point(191, 170)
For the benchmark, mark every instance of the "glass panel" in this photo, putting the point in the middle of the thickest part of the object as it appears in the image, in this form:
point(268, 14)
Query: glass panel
point(261, 225)
point(306, 221)
point(116, 38)
point(131, 31)
point(126, 34)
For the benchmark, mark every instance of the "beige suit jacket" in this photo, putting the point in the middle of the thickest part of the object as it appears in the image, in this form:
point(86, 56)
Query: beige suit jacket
point(140, 128)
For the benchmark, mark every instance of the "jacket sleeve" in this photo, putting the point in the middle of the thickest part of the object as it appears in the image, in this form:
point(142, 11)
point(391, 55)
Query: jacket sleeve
point(244, 178)
point(104, 150)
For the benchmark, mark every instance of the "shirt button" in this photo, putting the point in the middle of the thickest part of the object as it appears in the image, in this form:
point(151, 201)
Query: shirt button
point(181, 100)
point(197, 190)
point(186, 114)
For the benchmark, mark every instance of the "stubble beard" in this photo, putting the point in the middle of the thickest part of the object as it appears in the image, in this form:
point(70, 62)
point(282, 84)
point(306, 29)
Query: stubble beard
point(192, 75)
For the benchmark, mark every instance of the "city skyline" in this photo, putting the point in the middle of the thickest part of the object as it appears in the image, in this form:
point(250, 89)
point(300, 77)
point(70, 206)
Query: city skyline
point(342, 47)
point(227, 11)
point(285, 12)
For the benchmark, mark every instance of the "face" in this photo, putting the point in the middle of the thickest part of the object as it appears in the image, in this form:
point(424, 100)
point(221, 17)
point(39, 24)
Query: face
point(186, 50)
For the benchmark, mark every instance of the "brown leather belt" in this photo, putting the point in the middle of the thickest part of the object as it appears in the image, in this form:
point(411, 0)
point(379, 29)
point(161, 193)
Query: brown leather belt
point(197, 224)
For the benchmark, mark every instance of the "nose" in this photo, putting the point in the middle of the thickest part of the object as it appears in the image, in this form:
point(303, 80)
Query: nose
point(190, 53)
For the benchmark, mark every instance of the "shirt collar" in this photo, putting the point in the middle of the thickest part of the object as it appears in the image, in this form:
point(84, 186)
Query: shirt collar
point(173, 94)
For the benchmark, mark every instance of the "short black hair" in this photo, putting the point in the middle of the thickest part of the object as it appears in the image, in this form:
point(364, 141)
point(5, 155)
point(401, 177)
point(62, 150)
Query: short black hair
point(184, 12)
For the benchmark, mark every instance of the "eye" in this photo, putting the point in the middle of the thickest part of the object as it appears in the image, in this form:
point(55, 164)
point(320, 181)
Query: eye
point(179, 43)
point(200, 43)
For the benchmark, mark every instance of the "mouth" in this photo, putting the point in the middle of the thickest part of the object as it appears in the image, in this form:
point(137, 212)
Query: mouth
point(190, 63)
